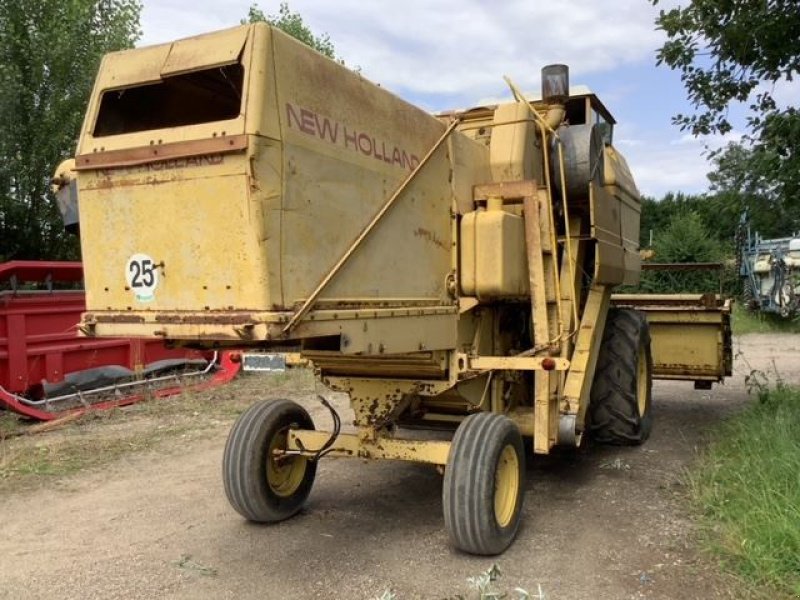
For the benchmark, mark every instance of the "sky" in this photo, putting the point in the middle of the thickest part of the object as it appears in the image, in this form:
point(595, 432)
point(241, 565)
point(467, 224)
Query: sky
point(445, 54)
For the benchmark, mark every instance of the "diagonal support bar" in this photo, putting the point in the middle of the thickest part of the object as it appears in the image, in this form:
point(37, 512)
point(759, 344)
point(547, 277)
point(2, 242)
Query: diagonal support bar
point(366, 231)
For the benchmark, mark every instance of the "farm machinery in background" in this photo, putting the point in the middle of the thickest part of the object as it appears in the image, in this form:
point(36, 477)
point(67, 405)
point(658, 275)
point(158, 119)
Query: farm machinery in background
point(770, 271)
point(48, 371)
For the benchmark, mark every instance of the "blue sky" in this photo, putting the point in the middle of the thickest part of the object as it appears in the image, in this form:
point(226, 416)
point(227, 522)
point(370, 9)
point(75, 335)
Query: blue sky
point(453, 54)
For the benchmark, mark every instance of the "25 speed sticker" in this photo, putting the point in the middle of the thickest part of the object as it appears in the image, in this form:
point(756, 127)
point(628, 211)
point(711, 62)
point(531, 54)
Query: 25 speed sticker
point(141, 273)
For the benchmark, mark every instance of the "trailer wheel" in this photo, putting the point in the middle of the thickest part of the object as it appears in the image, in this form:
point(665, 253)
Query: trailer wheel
point(621, 396)
point(483, 484)
point(260, 486)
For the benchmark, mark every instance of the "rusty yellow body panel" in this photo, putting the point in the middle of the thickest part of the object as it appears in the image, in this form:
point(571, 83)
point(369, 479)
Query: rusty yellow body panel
point(690, 333)
point(238, 189)
point(256, 226)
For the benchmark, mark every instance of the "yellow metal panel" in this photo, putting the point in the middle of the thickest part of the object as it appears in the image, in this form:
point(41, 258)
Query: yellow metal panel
point(470, 168)
point(584, 357)
point(606, 228)
point(205, 51)
point(212, 269)
point(493, 258)
point(468, 271)
point(512, 154)
point(341, 162)
point(675, 318)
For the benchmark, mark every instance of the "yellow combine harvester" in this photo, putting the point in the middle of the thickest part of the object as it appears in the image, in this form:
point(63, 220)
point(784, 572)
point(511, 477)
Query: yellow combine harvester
point(239, 189)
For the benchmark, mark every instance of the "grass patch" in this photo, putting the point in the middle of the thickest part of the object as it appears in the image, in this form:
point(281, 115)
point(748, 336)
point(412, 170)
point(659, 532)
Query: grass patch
point(747, 486)
point(68, 454)
point(744, 321)
point(99, 438)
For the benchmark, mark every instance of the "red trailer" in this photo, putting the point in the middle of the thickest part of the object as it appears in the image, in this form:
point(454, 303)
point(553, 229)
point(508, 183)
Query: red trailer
point(47, 370)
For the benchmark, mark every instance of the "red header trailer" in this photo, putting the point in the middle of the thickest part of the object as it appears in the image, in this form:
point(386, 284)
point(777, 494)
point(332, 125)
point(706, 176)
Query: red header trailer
point(47, 370)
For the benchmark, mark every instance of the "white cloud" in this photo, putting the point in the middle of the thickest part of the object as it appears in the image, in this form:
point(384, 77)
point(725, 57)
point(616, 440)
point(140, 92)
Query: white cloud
point(662, 163)
point(449, 47)
point(456, 51)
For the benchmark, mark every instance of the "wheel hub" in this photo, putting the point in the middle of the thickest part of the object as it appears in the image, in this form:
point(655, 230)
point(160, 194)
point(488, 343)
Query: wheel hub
point(641, 381)
point(284, 473)
point(506, 486)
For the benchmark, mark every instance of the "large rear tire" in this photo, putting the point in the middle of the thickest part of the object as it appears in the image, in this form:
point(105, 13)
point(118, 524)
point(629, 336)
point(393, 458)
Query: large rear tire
point(261, 486)
point(483, 484)
point(620, 407)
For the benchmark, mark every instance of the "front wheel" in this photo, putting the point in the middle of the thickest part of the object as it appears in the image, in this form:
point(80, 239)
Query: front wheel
point(262, 485)
point(483, 484)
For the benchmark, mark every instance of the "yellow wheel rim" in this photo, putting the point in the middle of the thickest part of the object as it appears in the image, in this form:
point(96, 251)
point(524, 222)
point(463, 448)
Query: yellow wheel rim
point(641, 381)
point(284, 473)
point(506, 486)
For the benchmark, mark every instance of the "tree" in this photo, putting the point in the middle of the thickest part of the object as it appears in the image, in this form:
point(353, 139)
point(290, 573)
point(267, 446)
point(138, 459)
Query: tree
point(725, 51)
point(740, 183)
point(293, 24)
point(735, 51)
point(49, 55)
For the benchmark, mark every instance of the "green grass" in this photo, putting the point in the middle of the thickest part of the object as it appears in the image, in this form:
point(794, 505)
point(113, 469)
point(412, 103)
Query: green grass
point(748, 488)
point(744, 321)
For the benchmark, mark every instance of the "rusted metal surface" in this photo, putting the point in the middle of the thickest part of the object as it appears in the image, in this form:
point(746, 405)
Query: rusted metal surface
point(225, 318)
point(156, 153)
point(691, 302)
point(508, 190)
point(306, 443)
point(422, 365)
point(690, 334)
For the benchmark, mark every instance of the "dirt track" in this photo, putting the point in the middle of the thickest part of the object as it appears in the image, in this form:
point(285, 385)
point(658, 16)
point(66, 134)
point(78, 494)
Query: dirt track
point(610, 523)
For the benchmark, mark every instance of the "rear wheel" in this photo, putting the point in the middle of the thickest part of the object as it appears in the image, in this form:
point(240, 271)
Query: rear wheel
point(483, 484)
point(260, 484)
point(621, 397)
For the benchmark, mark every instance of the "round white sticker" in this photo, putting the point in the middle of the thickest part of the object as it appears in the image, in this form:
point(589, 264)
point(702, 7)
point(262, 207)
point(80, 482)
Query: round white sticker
point(141, 273)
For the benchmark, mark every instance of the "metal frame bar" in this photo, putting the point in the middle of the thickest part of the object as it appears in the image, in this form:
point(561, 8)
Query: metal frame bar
point(304, 442)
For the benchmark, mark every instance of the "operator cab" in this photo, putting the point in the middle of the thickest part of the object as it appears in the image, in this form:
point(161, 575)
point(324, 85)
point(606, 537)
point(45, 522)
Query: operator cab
point(585, 108)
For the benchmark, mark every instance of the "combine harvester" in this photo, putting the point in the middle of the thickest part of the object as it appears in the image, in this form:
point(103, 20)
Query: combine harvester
point(452, 271)
point(47, 371)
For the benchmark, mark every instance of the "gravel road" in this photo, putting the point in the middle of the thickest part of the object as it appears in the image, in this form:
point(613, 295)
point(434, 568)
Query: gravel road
point(607, 523)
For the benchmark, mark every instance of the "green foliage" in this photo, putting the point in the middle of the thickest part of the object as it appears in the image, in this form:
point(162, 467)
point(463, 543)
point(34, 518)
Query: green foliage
point(293, 24)
point(684, 239)
point(725, 50)
point(747, 487)
point(734, 51)
point(49, 54)
point(763, 177)
point(658, 214)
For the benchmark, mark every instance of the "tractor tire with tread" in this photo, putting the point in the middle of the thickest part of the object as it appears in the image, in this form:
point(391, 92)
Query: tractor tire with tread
point(483, 484)
point(259, 486)
point(620, 407)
